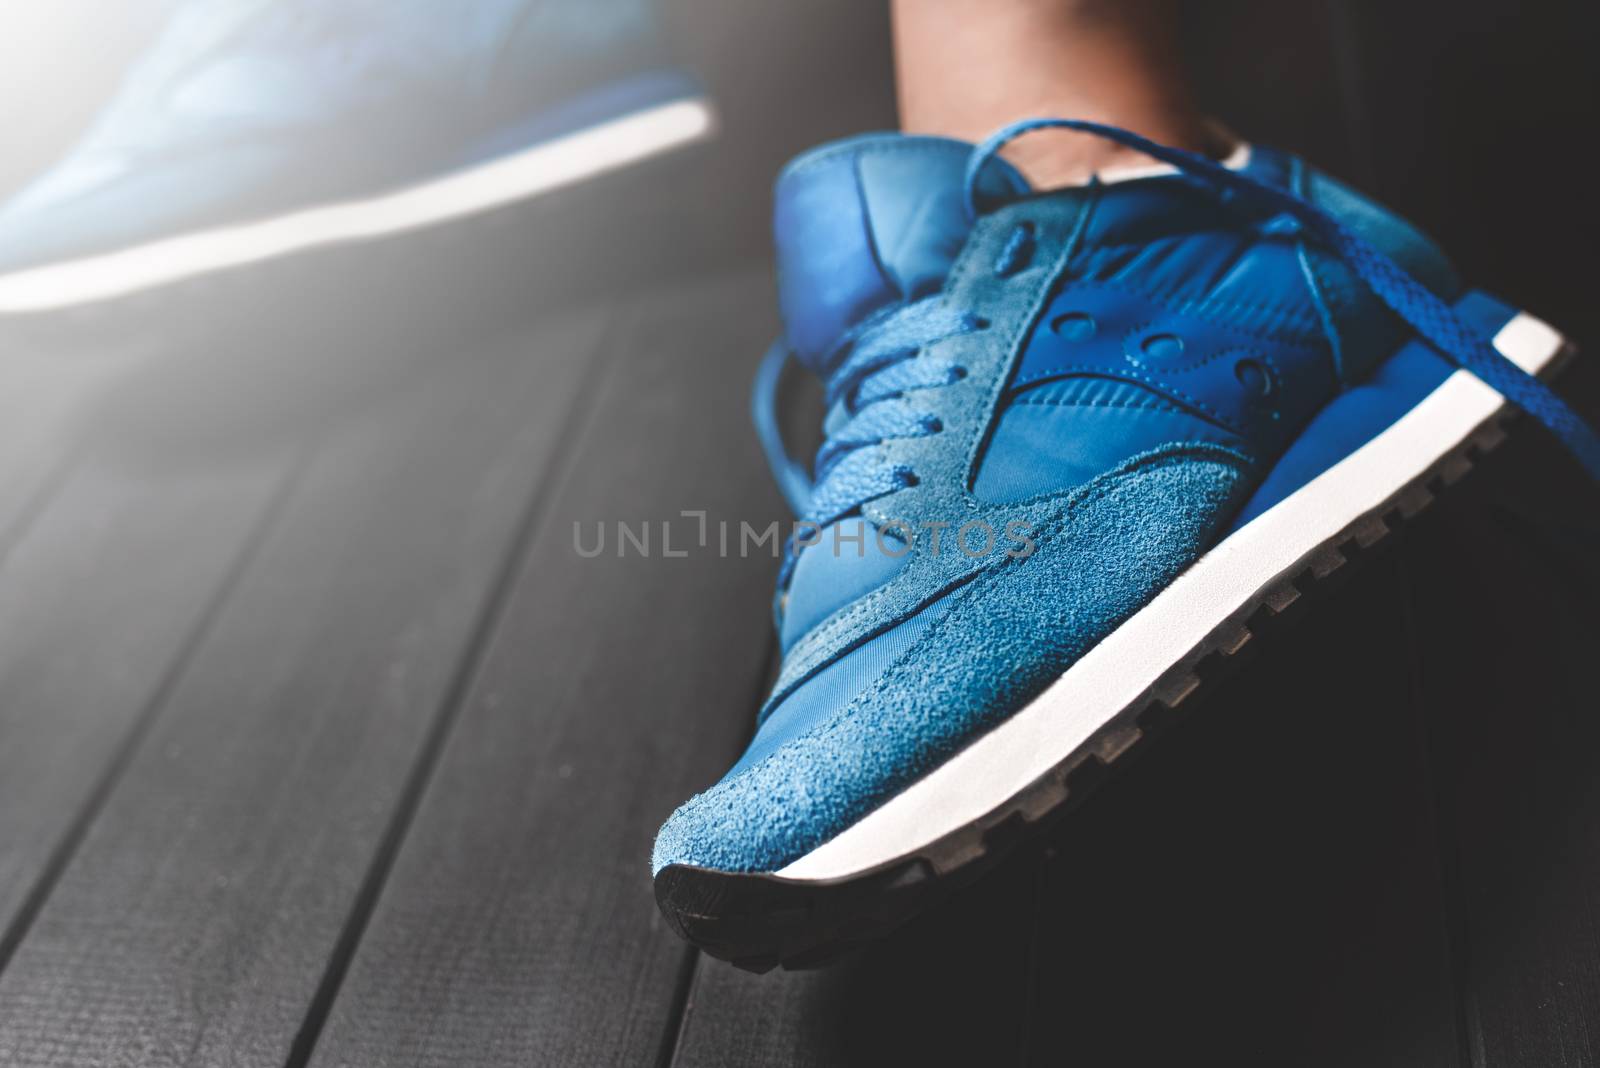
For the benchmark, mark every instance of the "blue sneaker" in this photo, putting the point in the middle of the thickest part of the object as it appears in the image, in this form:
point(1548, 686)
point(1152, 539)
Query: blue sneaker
point(1077, 443)
point(252, 128)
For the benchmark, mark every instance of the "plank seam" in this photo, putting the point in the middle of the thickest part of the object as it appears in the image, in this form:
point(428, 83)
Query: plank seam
point(678, 1012)
point(78, 830)
point(1437, 798)
point(36, 503)
point(470, 664)
point(683, 996)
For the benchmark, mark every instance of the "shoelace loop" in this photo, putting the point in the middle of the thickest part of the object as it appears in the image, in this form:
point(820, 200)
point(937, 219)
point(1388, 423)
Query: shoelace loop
point(866, 378)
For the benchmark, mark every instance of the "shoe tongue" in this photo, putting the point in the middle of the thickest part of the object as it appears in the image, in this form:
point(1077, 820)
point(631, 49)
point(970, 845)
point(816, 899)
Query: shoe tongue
point(868, 222)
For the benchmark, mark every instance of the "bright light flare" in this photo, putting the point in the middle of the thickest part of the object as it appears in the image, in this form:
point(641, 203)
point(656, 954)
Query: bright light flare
point(564, 161)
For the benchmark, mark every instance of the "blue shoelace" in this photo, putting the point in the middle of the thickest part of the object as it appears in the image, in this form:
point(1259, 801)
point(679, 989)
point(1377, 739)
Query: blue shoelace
point(866, 378)
point(876, 363)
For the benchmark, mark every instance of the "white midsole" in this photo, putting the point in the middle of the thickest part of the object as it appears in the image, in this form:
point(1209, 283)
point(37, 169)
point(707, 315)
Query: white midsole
point(1128, 662)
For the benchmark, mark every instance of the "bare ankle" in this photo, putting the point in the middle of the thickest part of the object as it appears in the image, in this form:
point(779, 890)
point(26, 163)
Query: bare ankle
point(967, 67)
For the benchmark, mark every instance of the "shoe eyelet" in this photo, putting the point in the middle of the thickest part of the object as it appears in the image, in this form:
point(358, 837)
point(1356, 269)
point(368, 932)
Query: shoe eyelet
point(1017, 252)
point(1162, 348)
point(1074, 326)
point(1254, 376)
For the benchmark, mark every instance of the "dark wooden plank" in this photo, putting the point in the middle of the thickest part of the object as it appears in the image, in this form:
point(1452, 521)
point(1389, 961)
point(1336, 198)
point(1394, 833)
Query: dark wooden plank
point(517, 926)
point(953, 987)
point(109, 565)
point(1507, 624)
point(1472, 108)
point(1263, 886)
point(98, 603)
point(194, 925)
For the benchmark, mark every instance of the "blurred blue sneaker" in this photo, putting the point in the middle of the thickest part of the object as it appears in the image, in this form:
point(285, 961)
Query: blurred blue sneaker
point(1077, 443)
point(245, 112)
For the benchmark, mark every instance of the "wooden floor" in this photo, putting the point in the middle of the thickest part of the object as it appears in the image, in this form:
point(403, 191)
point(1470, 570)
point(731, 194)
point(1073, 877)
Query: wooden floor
point(321, 745)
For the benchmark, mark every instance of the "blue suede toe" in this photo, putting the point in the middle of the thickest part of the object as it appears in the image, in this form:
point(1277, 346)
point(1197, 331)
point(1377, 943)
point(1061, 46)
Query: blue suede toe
point(995, 643)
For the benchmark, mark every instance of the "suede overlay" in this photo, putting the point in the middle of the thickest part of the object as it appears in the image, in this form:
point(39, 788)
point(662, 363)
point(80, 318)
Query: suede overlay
point(944, 463)
point(1002, 638)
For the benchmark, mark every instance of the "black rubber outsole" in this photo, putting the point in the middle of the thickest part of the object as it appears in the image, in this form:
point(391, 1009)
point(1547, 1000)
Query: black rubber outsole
point(760, 921)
